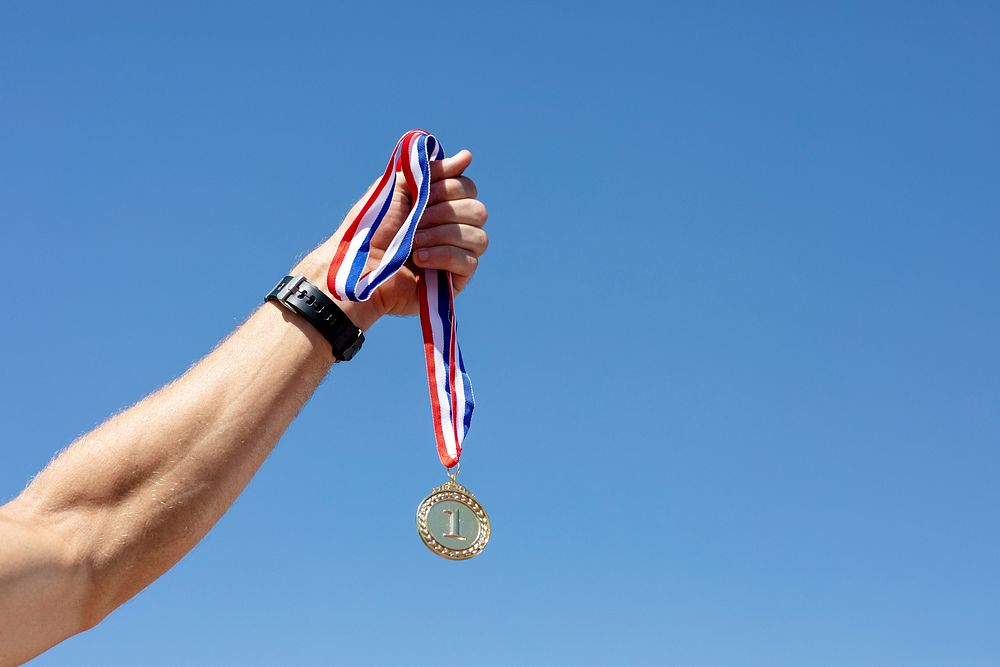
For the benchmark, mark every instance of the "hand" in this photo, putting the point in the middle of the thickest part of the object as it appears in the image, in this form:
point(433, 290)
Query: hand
point(450, 237)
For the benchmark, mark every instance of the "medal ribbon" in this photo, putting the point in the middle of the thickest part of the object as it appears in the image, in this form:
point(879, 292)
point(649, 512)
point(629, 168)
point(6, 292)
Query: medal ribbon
point(452, 402)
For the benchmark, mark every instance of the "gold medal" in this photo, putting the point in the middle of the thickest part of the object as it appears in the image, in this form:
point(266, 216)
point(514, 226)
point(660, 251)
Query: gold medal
point(452, 523)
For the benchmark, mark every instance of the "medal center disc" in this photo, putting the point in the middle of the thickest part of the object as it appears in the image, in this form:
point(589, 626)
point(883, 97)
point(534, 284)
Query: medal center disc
point(453, 524)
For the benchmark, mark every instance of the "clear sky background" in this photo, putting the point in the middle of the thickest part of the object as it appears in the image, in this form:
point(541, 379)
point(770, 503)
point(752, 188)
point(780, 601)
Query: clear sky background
point(734, 345)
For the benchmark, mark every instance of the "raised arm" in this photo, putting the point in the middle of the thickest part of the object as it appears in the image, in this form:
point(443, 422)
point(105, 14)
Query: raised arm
point(126, 501)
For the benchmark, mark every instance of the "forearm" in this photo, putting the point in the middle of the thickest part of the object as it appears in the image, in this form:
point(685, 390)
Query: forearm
point(133, 496)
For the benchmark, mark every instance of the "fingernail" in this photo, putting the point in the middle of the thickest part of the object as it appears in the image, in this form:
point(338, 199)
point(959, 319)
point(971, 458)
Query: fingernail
point(423, 255)
point(419, 236)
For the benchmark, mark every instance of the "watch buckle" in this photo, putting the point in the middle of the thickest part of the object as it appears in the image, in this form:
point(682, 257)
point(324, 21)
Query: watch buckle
point(289, 288)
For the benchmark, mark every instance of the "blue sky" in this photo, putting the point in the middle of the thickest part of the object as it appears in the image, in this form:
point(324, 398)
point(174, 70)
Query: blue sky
point(734, 344)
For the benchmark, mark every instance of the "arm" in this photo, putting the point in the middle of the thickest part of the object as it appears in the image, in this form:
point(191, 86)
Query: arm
point(125, 502)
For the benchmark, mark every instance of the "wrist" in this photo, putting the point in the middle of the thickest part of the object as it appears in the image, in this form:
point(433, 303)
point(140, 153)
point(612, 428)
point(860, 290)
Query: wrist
point(363, 314)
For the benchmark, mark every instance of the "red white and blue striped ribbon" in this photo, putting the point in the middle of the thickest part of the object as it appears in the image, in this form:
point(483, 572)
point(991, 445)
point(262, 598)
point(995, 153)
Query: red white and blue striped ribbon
point(452, 402)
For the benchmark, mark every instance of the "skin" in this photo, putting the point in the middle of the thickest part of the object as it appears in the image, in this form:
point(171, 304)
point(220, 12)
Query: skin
point(125, 502)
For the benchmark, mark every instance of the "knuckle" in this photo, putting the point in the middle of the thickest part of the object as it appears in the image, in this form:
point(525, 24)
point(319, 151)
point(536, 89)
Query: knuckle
point(479, 212)
point(423, 237)
point(459, 261)
point(469, 187)
point(482, 241)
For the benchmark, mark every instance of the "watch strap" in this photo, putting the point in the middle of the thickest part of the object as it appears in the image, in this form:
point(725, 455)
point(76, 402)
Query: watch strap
point(301, 296)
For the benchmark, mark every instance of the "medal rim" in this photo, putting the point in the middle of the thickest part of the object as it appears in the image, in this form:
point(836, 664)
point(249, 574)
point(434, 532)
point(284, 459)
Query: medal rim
point(458, 493)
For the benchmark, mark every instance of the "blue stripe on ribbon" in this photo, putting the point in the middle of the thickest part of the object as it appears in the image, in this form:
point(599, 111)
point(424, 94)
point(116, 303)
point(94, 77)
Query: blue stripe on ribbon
point(470, 400)
point(445, 315)
point(361, 259)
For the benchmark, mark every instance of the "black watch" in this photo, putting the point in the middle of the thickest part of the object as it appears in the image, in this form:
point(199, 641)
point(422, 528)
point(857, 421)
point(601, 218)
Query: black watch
point(301, 296)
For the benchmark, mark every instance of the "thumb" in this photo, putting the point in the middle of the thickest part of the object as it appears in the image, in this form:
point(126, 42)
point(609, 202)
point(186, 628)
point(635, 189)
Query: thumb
point(451, 167)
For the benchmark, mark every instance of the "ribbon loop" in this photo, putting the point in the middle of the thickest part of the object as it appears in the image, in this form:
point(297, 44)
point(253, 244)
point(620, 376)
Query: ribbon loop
point(452, 402)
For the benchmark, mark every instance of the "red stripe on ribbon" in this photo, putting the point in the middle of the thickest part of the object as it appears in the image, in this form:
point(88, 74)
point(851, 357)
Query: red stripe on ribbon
point(428, 335)
point(345, 240)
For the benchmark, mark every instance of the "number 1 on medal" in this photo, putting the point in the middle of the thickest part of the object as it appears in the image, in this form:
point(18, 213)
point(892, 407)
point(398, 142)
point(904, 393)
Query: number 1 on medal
point(454, 527)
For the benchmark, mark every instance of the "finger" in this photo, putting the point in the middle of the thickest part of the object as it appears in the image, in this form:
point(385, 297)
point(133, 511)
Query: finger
point(446, 258)
point(466, 211)
point(450, 167)
point(468, 237)
point(450, 189)
point(460, 282)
